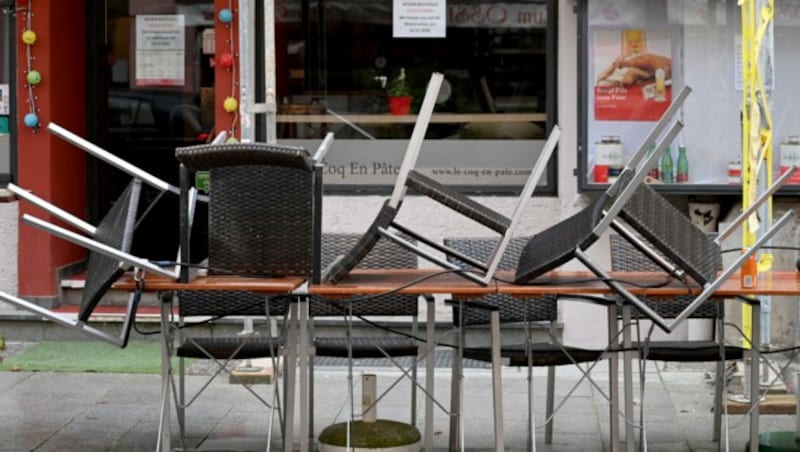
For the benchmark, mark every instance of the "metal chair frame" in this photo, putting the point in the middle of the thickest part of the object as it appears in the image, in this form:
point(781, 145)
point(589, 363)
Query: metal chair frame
point(626, 257)
point(267, 240)
point(386, 226)
point(494, 310)
point(109, 255)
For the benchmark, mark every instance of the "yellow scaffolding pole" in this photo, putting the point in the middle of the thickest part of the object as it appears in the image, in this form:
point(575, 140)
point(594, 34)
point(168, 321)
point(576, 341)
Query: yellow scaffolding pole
point(757, 141)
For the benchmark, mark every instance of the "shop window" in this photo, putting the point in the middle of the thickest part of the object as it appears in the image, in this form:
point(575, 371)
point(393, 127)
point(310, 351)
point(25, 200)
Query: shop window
point(338, 63)
point(636, 55)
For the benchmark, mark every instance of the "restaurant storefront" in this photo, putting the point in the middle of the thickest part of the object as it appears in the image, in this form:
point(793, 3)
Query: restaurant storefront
point(140, 78)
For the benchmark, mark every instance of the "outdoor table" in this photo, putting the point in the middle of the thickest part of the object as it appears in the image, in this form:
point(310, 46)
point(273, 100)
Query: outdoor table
point(433, 281)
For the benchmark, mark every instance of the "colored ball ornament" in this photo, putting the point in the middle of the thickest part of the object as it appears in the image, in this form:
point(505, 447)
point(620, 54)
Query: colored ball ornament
point(226, 60)
point(230, 104)
point(231, 140)
point(31, 120)
point(29, 37)
point(34, 77)
point(225, 15)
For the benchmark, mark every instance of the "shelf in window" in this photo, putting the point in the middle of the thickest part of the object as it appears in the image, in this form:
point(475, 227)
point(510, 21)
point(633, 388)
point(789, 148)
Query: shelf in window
point(440, 118)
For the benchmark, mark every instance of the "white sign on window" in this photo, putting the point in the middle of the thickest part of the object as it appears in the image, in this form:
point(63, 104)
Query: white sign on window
point(160, 50)
point(419, 19)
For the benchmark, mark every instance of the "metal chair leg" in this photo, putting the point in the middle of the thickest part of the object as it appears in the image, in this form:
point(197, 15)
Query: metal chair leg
point(550, 402)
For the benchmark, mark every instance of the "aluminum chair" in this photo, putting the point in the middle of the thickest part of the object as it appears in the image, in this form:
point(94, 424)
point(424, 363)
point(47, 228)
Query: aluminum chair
point(385, 254)
point(264, 216)
point(648, 213)
point(495, 310)
point(109, 242)
point(385, 225)
point(626, 257)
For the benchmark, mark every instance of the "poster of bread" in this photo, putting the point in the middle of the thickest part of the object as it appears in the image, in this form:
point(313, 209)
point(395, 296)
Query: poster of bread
point(633, 74)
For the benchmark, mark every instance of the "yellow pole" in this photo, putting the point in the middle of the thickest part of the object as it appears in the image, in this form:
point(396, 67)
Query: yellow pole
point(757, 140)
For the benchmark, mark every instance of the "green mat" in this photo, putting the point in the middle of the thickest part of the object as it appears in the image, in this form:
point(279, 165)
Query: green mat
point(88, 356)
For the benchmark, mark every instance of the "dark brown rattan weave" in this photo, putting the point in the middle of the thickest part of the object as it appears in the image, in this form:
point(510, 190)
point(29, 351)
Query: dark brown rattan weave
point(383, 254)
point(234, 303)
point(261, 207)
point(460, 203)
point(626, 257)
point(207, 156)
point(363, 246)
point(225, 347)
point(556, 245)
point(672, 233)
point(511, 309)
point(115, 230)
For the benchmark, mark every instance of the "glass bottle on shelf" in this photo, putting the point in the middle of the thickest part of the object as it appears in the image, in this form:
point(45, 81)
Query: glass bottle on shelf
point(652, 173)
point(682, 172)
point(667, 175)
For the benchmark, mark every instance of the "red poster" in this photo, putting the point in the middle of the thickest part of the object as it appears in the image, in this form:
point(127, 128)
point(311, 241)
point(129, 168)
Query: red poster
point(633, 75)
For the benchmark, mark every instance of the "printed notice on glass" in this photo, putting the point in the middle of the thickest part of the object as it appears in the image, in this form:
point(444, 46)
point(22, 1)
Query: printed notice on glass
point(160, 50)
point(419, 19)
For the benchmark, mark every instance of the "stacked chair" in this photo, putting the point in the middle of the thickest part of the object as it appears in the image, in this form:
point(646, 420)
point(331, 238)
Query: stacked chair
point(497, 309)
point(109, 243)
point(644, 211)
point(264, 214)
point(385, 226)
point(626, 257)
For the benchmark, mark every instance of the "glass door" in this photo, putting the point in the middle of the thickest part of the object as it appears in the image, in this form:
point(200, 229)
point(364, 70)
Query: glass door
point(153, 92)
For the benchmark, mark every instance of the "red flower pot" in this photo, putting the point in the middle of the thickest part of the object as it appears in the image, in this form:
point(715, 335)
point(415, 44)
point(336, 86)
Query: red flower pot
point(400, 105)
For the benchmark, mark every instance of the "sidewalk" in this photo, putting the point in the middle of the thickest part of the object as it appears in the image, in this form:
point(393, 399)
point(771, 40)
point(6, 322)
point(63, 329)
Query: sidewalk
point(115, 412)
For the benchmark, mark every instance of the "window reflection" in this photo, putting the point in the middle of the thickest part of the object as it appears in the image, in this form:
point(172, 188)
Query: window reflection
point(336, 59)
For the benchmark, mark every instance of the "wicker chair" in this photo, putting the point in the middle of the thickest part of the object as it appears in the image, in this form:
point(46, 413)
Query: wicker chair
point(109, 242)
point(497, 309)
point(626, 257)
point(384, 254)
point(385, 225)
point(264, 210)
point(109, 245)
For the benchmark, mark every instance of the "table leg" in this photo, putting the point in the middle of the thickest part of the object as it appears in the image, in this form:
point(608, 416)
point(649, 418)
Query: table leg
point(613, 379)
point(302, 311)
point(456, 380)
point(289, 379)
point(497, 378)
point(430, 337)
point(755, 366)
point(628, 379)
point(165, 427)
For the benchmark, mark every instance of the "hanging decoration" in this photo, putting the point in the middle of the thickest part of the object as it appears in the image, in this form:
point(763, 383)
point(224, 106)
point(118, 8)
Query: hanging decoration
point(33, 76)
point(226, 58)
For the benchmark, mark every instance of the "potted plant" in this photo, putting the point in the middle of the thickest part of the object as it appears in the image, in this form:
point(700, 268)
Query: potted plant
point(399, 95)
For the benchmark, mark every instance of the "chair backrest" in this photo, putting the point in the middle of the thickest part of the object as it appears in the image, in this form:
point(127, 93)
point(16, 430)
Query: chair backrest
point(673, 234)
point(341, 265)
point(626, 257)
point(383, 254)
point(115, 230)
point(556, 245)
point(264, 208)
point(511, 309)
point(559, 243)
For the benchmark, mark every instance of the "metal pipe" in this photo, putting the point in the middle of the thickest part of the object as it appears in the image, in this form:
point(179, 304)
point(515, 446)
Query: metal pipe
point(110, 158)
